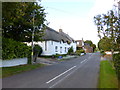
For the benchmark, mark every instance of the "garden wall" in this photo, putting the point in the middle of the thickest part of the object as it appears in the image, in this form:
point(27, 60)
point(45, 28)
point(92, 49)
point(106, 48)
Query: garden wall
point(14, 62)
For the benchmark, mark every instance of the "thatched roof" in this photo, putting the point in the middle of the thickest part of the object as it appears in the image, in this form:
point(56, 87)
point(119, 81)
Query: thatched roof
point(51, 34)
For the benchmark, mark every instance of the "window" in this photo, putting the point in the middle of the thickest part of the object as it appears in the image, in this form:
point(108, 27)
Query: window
point(60, 49)
point(65, 49)
point(45, 45)
point(56, 49)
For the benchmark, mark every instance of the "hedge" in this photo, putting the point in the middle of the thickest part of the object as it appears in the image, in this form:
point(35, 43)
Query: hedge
point(12, 49)
point(116, 58)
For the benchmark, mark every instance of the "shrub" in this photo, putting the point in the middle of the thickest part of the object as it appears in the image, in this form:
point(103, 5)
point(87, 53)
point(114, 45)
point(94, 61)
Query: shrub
point(116, 59)
point(70, 50)
point(57, 55)
point(102, 52)
point(12, 49)
point(37, 50)
point(82, 51)
point(78, 52)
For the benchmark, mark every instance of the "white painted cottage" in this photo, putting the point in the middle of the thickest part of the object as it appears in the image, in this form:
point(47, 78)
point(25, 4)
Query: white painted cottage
point(56, 42)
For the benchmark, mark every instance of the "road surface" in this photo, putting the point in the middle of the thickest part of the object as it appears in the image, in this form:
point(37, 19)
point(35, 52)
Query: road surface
point(81, 72)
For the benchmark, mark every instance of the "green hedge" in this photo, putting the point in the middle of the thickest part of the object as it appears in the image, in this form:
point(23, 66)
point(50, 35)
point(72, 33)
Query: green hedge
point(12, 49)
point(102, 52)
point(78, 52)
point(116, 59)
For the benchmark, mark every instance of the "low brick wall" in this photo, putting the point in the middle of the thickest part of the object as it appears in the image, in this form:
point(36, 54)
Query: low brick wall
point(14, 62)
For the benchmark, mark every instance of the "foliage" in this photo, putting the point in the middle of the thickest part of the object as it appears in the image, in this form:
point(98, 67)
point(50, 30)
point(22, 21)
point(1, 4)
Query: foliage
point(78, 52)
point(13, 49)
point(94, 47)
point(108, 26)
point(17, 20)
point(116, 58)
point(108, 77)
point(70, 51)
point(105, 44)
point(91, 44)
point(102, 52)
point(57, 55)
point(8, 71)
point(37, 49)
point(82, 51)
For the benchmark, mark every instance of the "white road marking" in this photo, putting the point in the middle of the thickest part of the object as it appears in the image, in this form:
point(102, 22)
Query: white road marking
point(83, 61)
point(62, 79)
point(60, 75)
point(67, 75)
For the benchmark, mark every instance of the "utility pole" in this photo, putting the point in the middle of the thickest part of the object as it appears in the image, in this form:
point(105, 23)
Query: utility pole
point(32, 44)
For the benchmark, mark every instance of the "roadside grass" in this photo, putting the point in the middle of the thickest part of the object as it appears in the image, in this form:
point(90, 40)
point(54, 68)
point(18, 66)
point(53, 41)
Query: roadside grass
point(8, 71)
point(108, 77)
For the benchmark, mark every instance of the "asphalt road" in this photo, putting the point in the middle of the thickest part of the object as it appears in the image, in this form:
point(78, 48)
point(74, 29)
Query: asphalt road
point(81, 72)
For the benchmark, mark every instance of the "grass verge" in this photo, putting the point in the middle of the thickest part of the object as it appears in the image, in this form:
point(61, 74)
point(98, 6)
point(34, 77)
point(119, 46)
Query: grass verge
point(8, 71)
point(108, 77)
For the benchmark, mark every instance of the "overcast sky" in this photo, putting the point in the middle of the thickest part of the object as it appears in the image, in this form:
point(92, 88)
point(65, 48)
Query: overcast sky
point(75, 17)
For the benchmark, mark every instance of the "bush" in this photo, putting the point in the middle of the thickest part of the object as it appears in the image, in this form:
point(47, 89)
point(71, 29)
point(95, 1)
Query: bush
point(78, 52)
point(102, 52)
point(37, 50)
point(70, 50)
point(82, 51)
point(12, 49)
point(57, 55)
point(116, 59)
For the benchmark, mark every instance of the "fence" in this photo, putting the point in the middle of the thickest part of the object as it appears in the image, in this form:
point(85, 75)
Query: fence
point(14, 62)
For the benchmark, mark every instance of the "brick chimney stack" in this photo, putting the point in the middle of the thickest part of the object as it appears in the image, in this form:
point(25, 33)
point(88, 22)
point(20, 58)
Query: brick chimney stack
point(60, 30)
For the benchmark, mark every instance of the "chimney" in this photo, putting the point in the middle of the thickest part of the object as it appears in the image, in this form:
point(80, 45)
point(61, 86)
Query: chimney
point(60, 30)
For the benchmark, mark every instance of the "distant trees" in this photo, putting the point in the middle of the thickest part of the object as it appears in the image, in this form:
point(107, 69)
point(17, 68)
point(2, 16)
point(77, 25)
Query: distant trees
point(91, 44)
point(17, 20)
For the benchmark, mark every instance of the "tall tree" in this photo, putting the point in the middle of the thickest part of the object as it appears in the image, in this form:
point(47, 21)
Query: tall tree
point(108, 26)
point(17, 18)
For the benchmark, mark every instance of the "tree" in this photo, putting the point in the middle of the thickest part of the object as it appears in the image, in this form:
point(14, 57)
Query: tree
point(91, 44)
point(17, 20)
point(108, 26)
point(94, 47)
point(105, 44)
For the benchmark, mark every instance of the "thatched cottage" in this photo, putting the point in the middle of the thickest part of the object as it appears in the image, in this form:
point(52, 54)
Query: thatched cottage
point(56, 42)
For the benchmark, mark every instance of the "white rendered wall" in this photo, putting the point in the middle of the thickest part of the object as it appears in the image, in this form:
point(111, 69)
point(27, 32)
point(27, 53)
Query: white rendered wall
point(51, 47)
point(14, 62)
